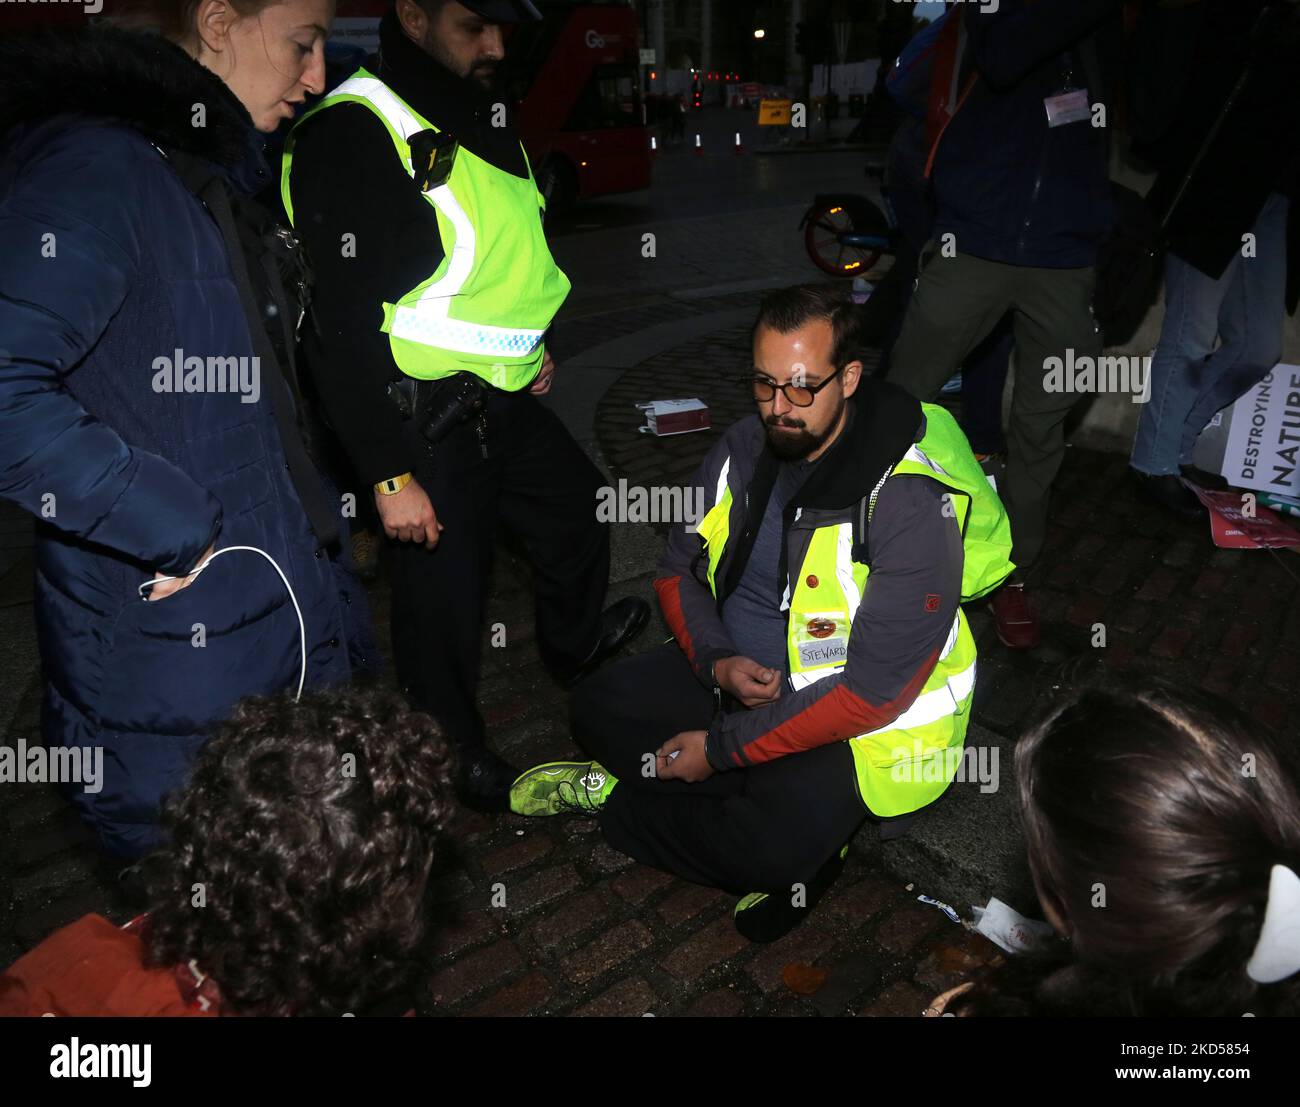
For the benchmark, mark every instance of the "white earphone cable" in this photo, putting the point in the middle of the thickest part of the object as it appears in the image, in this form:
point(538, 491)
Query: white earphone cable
point(302, 626)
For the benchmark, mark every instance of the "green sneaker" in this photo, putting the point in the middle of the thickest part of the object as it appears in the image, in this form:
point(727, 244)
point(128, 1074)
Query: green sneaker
point(761, 917)
point(557, 786)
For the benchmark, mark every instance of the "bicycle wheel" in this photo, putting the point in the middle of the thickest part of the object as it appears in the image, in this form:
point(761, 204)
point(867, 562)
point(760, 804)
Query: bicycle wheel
point(823, 237)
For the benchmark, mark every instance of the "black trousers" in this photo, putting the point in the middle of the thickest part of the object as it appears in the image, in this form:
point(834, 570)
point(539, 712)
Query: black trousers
point(759, 829)
point(539, 486)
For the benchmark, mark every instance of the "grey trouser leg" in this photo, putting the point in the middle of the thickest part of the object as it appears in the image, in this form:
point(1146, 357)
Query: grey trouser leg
point(957, 302)
point(1052, 315)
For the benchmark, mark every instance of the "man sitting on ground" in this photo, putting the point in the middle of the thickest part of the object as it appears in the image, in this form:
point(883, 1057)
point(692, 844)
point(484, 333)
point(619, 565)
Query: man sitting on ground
point(823, 669)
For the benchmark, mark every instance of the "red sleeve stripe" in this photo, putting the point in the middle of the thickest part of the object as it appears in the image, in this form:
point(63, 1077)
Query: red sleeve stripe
point(839, 714)
point(670, 603)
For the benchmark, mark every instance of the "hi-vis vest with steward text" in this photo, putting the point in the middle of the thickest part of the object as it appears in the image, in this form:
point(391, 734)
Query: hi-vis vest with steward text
point(910, 762)
point(485, 308)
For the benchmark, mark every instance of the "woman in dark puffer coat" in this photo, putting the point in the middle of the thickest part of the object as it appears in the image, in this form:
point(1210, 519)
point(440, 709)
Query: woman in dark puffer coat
point(148, 410)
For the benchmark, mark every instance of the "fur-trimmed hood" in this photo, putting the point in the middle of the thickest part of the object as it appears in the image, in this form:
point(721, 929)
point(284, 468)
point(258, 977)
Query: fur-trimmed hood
point(132, 77)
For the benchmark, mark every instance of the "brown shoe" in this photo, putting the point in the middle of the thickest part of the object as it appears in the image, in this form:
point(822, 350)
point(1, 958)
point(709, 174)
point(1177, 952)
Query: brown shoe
point(1017, 625)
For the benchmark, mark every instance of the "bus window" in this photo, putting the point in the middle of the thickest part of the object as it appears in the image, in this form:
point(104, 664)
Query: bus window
point(609, 99)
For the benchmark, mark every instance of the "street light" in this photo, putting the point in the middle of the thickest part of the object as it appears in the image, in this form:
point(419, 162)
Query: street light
point(760, 33)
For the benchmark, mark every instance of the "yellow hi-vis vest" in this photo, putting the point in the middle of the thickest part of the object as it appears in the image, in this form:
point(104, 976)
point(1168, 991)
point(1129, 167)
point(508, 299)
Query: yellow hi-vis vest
point(910, 762)
point(485, 308)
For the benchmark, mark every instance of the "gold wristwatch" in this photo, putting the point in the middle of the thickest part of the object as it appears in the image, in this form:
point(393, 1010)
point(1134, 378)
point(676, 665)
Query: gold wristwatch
point(393, 485)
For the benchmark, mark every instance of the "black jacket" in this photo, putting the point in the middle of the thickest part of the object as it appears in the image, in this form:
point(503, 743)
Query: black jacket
point(1008, 187)
point(347, 180)
point(1256, 148)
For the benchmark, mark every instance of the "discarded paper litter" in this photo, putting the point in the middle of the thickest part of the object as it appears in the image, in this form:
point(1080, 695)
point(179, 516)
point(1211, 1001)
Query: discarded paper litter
point(1005, 927)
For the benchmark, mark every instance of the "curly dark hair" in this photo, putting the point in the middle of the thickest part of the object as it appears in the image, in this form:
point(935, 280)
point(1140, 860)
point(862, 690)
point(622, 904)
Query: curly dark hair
point(1178, 806)
point(311, 828)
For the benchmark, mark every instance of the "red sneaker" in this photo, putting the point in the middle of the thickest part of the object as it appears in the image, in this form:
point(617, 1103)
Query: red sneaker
point(1017, 625)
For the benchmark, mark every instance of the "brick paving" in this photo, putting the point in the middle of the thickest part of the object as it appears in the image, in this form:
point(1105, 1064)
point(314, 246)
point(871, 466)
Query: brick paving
point(577, 331)
point(582, 929)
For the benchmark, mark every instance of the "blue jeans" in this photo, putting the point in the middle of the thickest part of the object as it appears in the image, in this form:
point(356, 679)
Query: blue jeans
point(1191, 380)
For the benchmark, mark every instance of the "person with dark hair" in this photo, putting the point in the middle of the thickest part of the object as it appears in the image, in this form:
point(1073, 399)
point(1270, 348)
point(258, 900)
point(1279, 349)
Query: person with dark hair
point(149, 416)
point(435, 289)
point(823, 669)
point(293, 882)
point(1163, 832)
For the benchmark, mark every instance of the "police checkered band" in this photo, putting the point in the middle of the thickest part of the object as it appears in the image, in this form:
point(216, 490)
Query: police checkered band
point(464, 338)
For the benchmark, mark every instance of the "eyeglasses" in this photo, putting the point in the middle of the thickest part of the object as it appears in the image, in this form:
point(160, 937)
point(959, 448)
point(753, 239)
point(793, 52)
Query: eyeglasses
point(798, 395)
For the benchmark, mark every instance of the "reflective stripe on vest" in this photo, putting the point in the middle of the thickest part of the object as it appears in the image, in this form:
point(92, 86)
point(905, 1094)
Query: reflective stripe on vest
point(421, 323)
point(913, 454)
point(713, 528)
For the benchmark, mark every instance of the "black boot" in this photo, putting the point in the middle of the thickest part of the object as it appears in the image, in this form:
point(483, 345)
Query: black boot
point(1215, 481)
point(765, 918)
point(1169, 492)
point(483, 779)
point(619, 624)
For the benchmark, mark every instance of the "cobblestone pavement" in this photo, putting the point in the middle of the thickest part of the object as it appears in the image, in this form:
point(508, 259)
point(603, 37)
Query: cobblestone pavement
point(583, 930)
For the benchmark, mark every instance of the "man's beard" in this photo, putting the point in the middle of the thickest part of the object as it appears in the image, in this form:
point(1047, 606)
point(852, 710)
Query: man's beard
point(480, 74)
point(795, 445)
point(484, 76)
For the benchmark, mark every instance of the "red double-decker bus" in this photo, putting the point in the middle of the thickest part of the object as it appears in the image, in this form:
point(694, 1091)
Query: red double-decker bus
point(576, 81)
point(577, 78)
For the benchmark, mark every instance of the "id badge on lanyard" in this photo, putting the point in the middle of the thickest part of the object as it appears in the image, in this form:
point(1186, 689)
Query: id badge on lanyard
point(1068, 104)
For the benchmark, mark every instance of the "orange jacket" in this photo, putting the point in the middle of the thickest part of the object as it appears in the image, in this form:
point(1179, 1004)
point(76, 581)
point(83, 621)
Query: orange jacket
point(92, 967)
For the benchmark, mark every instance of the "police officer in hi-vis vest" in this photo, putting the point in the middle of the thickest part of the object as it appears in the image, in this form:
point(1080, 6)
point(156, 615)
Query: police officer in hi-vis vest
point(434, 289)
point(823, 669)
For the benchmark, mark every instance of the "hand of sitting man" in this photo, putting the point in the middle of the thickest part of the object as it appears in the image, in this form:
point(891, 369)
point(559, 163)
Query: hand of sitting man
point(747, 681)
point(690, 764)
